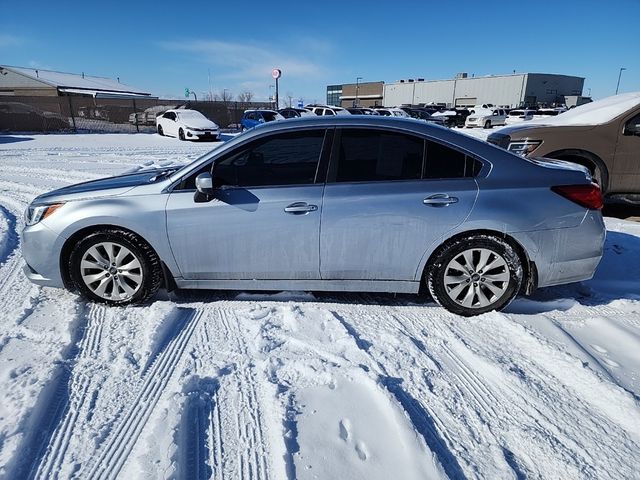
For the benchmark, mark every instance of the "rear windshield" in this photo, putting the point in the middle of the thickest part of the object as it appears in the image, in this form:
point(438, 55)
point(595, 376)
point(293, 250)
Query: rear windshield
point(269, 116)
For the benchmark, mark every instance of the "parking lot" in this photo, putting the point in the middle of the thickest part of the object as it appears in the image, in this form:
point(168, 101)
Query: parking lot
point(100, 392)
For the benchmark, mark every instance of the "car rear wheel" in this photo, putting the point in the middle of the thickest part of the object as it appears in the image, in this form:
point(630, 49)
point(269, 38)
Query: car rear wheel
point(160, 132)
point(475, 275)
point(181, 134)
point(115, 267)
point(487, 124)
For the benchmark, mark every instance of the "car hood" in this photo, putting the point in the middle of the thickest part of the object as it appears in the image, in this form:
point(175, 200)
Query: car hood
point(529, 128)
point(103, 187)
point(198, 123)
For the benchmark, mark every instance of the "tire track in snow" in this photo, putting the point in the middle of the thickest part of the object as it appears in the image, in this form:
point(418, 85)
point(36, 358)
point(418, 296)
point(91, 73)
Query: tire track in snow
point(424, 421)
point(252, 455)
point(80, 383)
point(123, 437)
point(49, 408)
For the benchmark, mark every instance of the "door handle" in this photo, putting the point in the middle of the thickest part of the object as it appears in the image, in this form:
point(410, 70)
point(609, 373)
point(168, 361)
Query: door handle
point(439, 200)
point(299, 208)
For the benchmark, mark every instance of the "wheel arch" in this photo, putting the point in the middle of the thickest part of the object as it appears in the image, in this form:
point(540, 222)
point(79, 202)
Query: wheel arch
point(589, 160)
point(68, 245)
point(530, 272)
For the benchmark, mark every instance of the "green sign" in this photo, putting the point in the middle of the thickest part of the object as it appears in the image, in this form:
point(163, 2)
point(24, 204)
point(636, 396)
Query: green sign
point(186, 93)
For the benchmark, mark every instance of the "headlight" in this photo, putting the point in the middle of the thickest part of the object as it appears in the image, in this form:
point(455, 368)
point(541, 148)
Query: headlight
point(36, 213)
point(525, 147)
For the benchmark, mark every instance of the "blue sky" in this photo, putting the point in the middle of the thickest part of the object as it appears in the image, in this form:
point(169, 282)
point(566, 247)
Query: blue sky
point(164, 47)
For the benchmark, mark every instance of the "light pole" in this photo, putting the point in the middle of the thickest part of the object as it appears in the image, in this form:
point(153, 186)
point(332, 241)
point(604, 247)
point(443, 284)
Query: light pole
point(355, 102)
point(619, 75)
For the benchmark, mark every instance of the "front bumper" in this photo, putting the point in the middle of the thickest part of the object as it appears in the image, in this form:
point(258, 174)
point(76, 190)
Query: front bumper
point(202, 134)
point(41, 249)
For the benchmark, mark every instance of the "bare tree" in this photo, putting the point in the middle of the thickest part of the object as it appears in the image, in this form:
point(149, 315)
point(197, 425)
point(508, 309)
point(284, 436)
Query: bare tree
point(223, 96)
point(246, 96)
point(289, 96)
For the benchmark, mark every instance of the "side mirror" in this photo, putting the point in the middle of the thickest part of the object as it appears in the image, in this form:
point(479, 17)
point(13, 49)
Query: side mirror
point(204, 183)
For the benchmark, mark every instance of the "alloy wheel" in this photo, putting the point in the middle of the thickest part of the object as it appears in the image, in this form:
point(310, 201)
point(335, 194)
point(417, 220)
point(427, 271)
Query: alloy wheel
point(476, 278)
point(111, 271)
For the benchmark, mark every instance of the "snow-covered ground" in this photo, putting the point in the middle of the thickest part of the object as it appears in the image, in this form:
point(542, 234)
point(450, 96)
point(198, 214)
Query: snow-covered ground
point(351, 386)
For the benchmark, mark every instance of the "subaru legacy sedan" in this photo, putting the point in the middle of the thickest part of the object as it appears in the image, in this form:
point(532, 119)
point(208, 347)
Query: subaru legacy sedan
point(353, 203)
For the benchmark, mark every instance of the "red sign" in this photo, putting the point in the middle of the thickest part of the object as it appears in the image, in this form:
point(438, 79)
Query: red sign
point(276, 73)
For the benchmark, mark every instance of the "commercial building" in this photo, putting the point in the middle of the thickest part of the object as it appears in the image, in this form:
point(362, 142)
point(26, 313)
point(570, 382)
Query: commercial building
point(362, 94)
point(513, 90)
point(32, 82)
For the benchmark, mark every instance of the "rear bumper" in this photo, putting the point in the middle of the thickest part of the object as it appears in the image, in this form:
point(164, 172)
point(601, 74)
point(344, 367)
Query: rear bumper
point(566, 255)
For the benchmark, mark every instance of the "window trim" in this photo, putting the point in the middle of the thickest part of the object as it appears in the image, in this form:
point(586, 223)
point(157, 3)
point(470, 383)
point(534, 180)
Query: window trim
point(321, 166)
point(332, 170)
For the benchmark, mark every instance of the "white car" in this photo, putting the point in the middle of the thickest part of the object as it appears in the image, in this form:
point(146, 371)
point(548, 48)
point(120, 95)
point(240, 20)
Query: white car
point(186, 125)
point(486, 118)
point(520, 115)
point(392, 112)
point(327, 110)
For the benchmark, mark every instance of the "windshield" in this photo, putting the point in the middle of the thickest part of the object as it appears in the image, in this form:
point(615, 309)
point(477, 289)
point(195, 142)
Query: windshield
point(190, 114)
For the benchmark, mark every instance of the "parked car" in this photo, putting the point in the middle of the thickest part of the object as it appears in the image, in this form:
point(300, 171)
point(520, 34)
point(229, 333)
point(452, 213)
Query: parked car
point(186, 125)
point(21, 117)
point(486, 118)
point(329, 110)
point(252, 118)
point(349, 203)
point(520, 115)
point(362, 111)
point(604, 136)
point(392, 112)
point(422, 114)
point(455, 117)
point(293, 112)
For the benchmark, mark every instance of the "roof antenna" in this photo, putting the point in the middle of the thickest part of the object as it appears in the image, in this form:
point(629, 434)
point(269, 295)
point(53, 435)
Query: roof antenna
point(82, 74)
point(37, 76)
point(118, 79)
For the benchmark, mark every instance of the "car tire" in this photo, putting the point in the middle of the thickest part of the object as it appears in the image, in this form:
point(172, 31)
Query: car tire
point(160, 132)
point(487, 124)
point(181, 134)
point(458, 280)
point(115, 267)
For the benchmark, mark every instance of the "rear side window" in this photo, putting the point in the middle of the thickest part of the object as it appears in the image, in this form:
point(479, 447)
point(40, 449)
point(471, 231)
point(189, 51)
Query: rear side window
point(445, 162)
point(373, 155)
point(284, 159)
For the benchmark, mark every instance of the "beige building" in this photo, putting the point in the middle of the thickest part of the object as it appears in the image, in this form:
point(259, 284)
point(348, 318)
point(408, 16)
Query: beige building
point(362, 94)
point(33, 82)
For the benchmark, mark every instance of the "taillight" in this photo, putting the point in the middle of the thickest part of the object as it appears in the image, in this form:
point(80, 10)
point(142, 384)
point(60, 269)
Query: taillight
point(588, 196)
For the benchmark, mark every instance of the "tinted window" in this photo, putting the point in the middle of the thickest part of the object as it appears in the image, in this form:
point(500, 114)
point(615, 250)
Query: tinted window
point(445, 162)
point(367, 155)
point(284, 159)
point(269, 116)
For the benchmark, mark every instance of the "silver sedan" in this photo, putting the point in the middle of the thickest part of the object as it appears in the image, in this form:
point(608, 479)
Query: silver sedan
point(348, 203)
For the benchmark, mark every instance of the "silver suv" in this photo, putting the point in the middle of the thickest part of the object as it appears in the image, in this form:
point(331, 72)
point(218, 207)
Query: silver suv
point(353, 203)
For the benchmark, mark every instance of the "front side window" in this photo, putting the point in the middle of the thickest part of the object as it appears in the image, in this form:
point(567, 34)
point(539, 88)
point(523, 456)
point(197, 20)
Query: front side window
point(374, 155)
point(283, 159)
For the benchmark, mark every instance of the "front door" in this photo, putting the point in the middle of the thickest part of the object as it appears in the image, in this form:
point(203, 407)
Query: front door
point(264, 220)
point(626, 169)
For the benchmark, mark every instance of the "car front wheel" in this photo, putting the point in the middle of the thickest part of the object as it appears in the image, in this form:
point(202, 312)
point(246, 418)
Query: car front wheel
point(475, 275)
point(115, 267)
point(160, 132)
point(487, 124)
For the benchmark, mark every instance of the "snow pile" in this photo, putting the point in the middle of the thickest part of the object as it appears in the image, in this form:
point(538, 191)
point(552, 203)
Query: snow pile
point(594, 113)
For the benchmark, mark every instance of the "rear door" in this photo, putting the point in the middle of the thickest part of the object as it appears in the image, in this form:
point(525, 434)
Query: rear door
point(389, 196)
